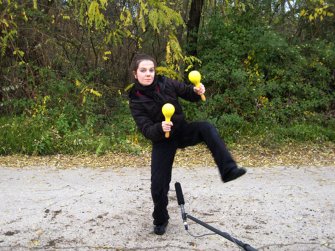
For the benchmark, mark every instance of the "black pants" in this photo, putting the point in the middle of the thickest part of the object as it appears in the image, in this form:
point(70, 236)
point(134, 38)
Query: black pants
point(162, 158)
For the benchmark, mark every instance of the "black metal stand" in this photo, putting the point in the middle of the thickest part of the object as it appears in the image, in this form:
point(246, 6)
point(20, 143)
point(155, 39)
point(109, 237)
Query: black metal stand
point(245, 246)
point(181, 202)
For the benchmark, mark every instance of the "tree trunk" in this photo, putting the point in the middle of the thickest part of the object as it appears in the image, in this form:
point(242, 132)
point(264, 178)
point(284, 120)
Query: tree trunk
point(193, 26)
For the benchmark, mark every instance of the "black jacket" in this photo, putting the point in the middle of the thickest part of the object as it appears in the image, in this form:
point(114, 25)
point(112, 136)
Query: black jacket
point(147, 112)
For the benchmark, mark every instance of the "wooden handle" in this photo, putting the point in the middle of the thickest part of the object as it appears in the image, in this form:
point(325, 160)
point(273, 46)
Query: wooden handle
point(203, 98)
point(167, 134)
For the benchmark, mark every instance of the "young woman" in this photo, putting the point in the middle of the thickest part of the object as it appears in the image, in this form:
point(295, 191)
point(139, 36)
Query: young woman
point(147, 97)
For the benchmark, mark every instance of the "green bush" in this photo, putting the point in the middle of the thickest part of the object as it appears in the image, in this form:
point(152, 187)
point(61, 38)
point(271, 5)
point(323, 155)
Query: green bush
point(25, 135)
point(68, 116)
point(254, 72)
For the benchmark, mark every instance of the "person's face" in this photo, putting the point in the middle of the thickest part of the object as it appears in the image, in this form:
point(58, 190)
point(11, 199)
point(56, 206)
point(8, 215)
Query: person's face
point(145, 72)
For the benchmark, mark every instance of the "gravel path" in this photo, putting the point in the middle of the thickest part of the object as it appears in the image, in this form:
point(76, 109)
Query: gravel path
point(277, 208)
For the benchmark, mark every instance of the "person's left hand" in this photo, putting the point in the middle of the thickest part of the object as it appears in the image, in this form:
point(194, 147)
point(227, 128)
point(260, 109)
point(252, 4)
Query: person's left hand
point(199, 90)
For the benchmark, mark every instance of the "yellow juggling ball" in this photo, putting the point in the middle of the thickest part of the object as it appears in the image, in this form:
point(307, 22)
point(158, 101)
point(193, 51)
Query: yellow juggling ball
point(195, 78)
point(168, 110)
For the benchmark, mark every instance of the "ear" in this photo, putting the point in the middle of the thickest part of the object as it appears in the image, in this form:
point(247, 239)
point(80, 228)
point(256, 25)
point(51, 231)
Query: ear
point(135, 76)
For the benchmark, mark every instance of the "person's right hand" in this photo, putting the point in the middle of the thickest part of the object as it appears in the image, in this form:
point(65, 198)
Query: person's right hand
point(166, 126)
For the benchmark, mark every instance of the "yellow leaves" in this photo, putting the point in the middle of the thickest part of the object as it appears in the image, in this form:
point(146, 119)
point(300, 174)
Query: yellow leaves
point(106, 54)
point(303, 13)
point(4, 21)
point(161, 16)
point(262, 102)
point(168, 53)
point(35, 4)
point(173, 52)
point(95, 17)
point(40, 108)
point(248, 60)
point(168, 72)
point(25, 18)
point(93, 12)
point(128, 87)
point(190, 61)
point(8, 37)
point(316, 13)
point(103, 3)
point(45, 99)
point(311, 17)
point(94, 92)
point(252, 68)
point(77, 83)
point(125, 17)
point(142, 12)
point(93, 8)
point(18, 52)
point(154, 19)
point(173, 57)
point(85, 90)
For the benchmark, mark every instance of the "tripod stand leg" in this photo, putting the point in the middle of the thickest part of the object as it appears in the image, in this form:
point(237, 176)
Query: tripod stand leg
point(245, 246)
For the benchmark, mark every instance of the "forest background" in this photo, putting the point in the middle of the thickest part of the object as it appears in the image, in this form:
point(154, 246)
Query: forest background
point(268, 67)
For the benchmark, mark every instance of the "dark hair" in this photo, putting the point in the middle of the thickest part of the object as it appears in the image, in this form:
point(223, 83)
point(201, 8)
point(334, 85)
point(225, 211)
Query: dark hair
point(138, 59)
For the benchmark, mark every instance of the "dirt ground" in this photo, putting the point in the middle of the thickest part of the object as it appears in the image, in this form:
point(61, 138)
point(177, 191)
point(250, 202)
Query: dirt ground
point(274, 208)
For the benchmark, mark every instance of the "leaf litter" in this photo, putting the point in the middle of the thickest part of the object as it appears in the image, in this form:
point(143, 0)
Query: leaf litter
point(247, 155)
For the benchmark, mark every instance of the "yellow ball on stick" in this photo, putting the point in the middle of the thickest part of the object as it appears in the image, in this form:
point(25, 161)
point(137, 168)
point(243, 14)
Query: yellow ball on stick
point(195, 78)
point(168, 110)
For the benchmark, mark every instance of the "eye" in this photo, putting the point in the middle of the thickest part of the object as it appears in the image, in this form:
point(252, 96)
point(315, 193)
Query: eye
point(144, 70)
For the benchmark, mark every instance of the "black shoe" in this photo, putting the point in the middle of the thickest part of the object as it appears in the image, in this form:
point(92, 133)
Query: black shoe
point(160, 229)
point(234, 174)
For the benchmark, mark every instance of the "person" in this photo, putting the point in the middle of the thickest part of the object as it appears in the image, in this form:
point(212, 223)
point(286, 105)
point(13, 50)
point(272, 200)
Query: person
point(146, 98)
